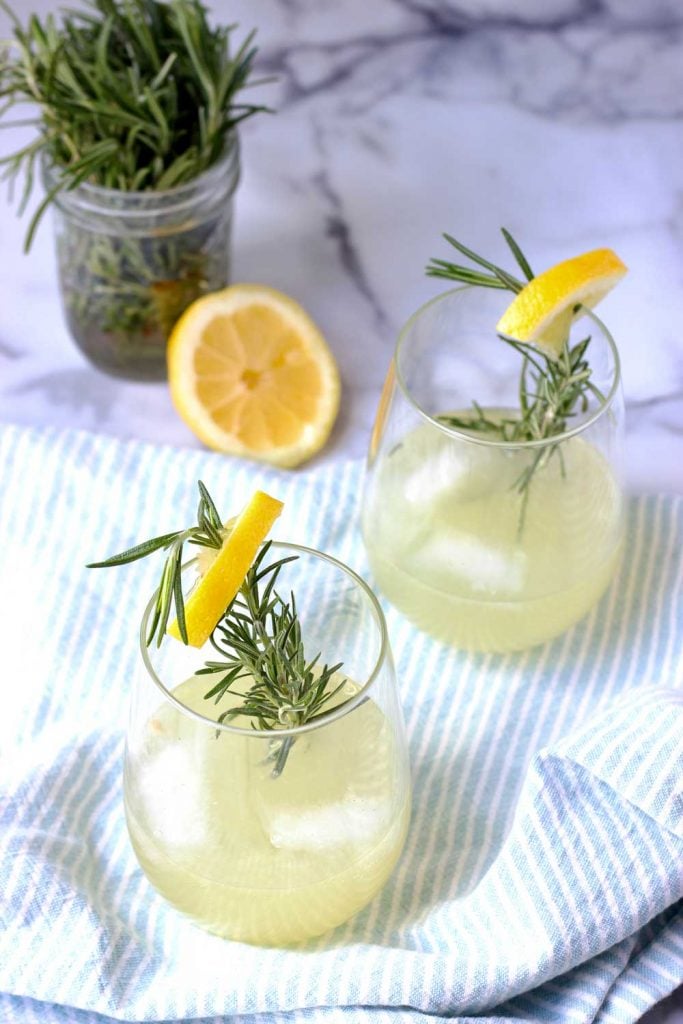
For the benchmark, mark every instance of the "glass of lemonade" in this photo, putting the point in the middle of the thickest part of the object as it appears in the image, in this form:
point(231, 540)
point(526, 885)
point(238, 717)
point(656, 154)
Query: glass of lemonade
point(272, 837)
point(454, 540)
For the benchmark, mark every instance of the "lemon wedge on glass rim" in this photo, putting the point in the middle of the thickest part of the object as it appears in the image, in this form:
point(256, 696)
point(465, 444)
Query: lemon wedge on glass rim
point(542, 312)
point(221, 576)
point(251, 375)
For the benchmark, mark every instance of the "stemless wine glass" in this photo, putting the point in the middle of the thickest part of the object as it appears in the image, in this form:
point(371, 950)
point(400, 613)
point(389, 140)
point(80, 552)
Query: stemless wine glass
point(272, 837)
point(486, 544)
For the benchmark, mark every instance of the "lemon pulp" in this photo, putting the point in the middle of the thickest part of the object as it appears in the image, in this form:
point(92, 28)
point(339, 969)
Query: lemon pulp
point(251, 374)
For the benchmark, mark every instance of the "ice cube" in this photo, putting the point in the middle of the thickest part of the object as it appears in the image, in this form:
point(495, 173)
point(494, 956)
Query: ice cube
point(350, 821)
point(169, 789)
point(457, 471)
point(438, 474)
point(482, 566)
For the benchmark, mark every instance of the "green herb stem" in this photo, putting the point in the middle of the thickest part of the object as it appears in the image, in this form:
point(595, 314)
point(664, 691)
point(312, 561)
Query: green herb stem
point(131, 94)
point(258, 638)
point(260, 642)
point(207, 533)
point(551, 390)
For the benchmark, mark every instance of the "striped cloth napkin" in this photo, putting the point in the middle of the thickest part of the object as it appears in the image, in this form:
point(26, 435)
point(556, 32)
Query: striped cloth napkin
point(543, 870)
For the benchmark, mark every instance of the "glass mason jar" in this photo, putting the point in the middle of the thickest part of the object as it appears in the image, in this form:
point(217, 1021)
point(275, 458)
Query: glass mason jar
point(485, 544)
point(271, 837)
point(130, 263)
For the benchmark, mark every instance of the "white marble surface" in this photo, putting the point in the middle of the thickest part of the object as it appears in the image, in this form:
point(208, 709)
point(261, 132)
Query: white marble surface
point(398, 119)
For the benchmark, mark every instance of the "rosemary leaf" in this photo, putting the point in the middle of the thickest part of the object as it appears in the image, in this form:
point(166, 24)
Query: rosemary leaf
point(139, 551)
point(518, 254)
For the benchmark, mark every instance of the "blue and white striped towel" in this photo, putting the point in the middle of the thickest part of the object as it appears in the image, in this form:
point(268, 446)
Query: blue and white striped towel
point(542, 874)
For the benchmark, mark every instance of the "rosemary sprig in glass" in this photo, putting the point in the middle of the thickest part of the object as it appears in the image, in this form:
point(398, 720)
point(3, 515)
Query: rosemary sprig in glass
point(551, 390)
point(259, 640)
point(258, 637)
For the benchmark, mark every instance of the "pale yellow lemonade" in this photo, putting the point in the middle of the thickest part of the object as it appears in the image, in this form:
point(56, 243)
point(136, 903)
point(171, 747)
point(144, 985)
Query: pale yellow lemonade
point(256, 858)
point(442, 529)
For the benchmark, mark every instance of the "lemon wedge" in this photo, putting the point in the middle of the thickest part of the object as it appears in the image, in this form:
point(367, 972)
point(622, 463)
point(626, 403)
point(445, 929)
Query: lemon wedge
point(252, 375)
point(219, 583)
point(543, 310)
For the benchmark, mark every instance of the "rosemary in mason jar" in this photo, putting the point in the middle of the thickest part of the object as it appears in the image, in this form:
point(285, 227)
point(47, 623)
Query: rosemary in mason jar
point(136, 108)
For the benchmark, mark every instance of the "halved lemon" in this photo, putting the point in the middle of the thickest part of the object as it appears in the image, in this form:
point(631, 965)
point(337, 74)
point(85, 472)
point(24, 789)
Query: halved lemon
point(543, 310)
point(222, 579)
point(251, 374)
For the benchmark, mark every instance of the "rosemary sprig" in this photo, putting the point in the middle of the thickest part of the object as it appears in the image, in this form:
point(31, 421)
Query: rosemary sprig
point(208, 533)
point(258, 637)
point(551, 389)
point(135, 96)
point(259, 640)
point(131, 94)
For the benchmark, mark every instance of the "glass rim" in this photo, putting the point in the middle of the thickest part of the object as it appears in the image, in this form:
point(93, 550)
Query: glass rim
point(89, 198)
point(327, 717)
point(462, 435)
